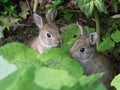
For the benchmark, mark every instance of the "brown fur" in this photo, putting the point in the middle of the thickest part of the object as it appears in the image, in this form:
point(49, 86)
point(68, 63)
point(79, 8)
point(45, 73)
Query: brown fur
point(92, 61)
point(49, 35)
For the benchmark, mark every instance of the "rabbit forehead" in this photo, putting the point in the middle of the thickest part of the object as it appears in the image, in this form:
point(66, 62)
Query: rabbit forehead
point(51, 26)
point(52, 29)
point(80, 43)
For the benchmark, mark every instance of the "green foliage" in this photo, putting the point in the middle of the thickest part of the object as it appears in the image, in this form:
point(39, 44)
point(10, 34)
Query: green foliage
point(111, 37)
point(69, 33)
point(4, 1)
point(42, 73)
point(64, 78)
point(8, 8)
point(53, 69)
point(116, 36)
point(68, 16)
point(114, 4)
point(24, 14)
point(6, 68)
point(87, 83)
point(107, 44)
point(91, 7)
point(56, 4)
point(8, 51)
point(22, 79)
point(100, 5)
point(27, 56)
point(116, 82)
point(6, 24)
point(88, 6)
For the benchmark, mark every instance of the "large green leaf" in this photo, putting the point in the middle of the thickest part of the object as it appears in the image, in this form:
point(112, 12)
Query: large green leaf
point(23, 56)
point(90, 82)
point(22, 79)
point(88, 6)
point(58, 58)
point(116, 82)
point(19, 54)
point(106, 44)
point(69, 33)
point(87, 83)
point(57, 78)
point(70, 82)
point(116, 36)
point(99, 4)
point(6, 68)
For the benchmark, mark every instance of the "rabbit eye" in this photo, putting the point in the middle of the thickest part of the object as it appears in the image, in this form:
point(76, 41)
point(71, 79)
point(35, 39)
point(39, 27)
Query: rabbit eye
point(82, 49)
point(48, 35)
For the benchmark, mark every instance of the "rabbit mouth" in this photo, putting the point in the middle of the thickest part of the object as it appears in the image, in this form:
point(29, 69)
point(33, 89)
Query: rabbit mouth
point(45, 45)
point(58, 43)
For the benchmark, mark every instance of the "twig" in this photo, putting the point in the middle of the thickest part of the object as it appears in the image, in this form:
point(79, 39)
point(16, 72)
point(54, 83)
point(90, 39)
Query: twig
point(29, 7)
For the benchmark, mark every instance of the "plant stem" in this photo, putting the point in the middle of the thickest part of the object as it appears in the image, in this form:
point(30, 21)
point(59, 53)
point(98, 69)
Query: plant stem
point(97, 26)
point(35, 5)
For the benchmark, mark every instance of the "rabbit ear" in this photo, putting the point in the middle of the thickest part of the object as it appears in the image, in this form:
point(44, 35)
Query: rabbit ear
point(51, 14)
point(38, 20)
point(93, 38)
point(82, 30)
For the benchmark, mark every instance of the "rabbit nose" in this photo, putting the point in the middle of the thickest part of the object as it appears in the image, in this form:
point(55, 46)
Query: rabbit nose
point(59, 42)
point(71, 53)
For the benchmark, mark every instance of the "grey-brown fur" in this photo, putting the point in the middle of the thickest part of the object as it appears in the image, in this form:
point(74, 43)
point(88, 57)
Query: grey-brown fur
point(49, 35)
point(84, 51)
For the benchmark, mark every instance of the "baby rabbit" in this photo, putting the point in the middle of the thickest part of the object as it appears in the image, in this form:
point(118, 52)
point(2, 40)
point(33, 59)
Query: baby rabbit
point(49, 35)
point(84, 51)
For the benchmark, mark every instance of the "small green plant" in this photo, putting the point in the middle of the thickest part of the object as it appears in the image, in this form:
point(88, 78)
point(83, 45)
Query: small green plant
point(6, 24)
point(6, 19)
point(55, 4)
point(7, 7)
point(68, 16)
point(114, 4)
point(116, 82)
point(111, 37)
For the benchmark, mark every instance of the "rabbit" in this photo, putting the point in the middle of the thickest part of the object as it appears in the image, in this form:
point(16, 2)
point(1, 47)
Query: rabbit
point(49, 35)
point(84, 51)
